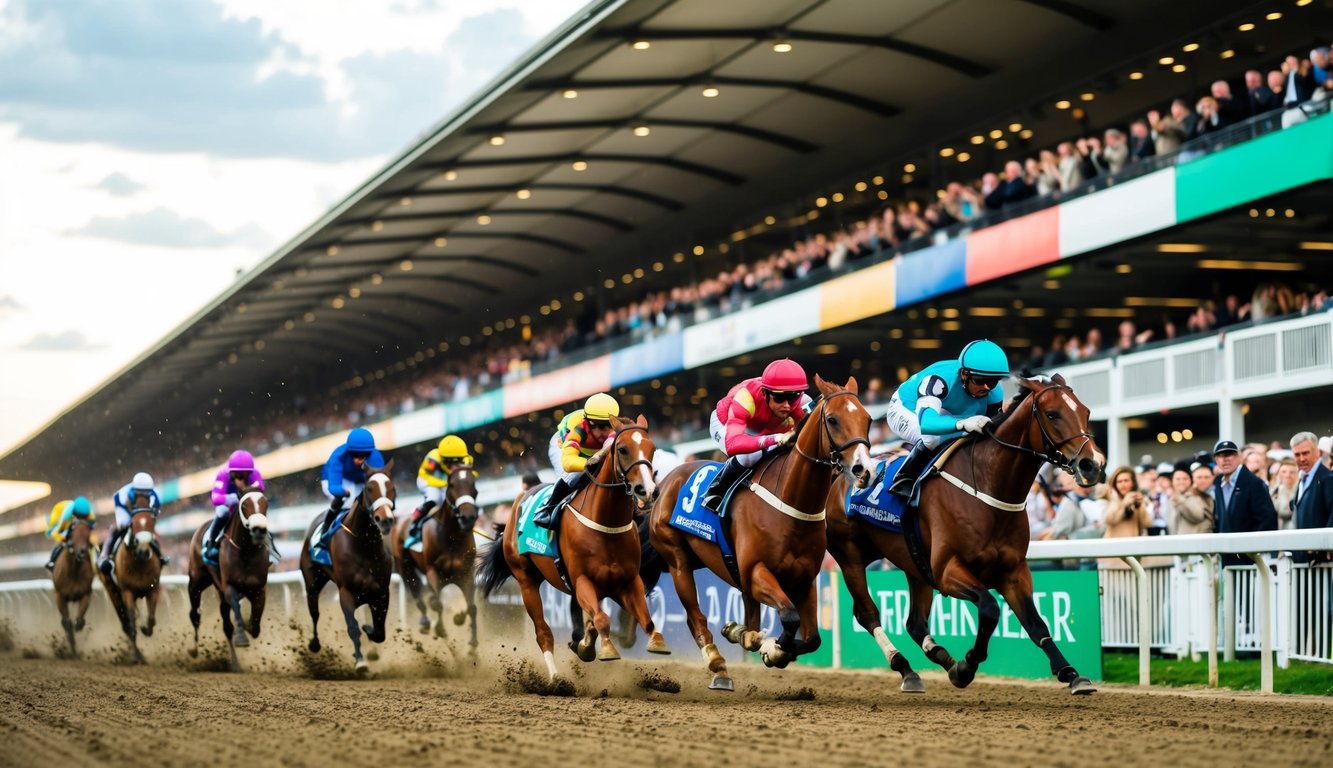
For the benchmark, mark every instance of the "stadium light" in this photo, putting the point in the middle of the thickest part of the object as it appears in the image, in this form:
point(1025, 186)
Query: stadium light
point(782, 46)
point(641, 45)
point(1190, 47)
point(570, 93)
point(523, 194)
point(710, 91)
point(497, 140)
point(1135, 75)
point(642, 130)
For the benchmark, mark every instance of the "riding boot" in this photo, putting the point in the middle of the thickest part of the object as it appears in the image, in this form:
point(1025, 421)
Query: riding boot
point(157, 550)
point(51, 564)
point(722, 481)
point(418, 520)
point(107, 549)
point(911, 469)
point(211, 539)
point(545, 517)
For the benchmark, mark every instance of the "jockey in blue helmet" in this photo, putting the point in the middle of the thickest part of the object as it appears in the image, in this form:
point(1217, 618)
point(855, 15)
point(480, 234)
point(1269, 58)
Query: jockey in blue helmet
point(945, 400)
point(343, 477)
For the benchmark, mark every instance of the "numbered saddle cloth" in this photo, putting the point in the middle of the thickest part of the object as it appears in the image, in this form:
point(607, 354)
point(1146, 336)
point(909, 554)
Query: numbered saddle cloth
point(875, 504)
point(532, 538)
point(692, 517)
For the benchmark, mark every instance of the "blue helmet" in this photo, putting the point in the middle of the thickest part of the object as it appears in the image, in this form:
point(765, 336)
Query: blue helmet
point(81, 506)
point(984, 358)
point(360, 440)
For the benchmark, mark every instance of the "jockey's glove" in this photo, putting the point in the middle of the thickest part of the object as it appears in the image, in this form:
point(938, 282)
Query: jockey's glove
point(784, 438)
point(337, 504)
point(973, 424)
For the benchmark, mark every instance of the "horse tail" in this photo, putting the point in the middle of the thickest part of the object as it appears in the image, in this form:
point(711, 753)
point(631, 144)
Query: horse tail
point(651, 563)
point(494, 568)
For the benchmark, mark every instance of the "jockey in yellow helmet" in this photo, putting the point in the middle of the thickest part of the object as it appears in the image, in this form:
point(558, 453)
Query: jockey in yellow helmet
point(433, 480)
point(577, 446)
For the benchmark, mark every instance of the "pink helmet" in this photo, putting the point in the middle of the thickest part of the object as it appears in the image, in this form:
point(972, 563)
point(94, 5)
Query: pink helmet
point(784, 375)
point(241, 461)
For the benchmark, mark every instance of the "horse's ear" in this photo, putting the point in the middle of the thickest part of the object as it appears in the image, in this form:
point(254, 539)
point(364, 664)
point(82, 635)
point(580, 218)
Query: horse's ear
point(388, 467)
point(1058, 379)
point(822, 385)
point(642, 421)
point(851, 386)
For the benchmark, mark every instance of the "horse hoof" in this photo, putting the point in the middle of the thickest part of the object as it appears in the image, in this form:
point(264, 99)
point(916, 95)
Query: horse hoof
point(721, 683)
point(314, 645)
point(912, 684)
point(424, 624)
point(1082, 686)
point(79, 625)
point(773, 655)
point(372, 654)
point(439, 630)
point(961, 676)
point(733, 632)
point(460, 618)
point(193, 652)
point(147, 630)
point(608, 653)
point(362, 668)
point(241, 640)
point(658, 645)
point(585, 653)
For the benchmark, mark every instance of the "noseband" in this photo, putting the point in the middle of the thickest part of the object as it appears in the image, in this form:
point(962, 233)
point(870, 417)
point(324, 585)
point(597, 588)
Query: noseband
point(624, 471)
point(835, 451)
point(1050, 446)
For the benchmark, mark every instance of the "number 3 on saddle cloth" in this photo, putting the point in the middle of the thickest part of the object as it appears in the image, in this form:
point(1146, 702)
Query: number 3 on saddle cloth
point(692, 517)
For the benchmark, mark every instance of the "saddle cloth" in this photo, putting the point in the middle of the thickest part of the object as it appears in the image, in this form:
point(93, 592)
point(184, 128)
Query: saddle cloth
point(692, 517)
point(875, 504)
point(532, 538)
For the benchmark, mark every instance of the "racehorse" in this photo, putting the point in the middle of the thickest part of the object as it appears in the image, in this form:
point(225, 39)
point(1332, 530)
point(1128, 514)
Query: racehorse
point(598, 545)
point(974, 531)
point(241, 572)
point(448, 555)
point(138, 572)
point(361, 568)
point(73, 577)
point(777, 531)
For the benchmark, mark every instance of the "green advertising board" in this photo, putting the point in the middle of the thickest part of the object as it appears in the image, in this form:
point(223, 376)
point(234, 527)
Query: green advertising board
point(1067, 600)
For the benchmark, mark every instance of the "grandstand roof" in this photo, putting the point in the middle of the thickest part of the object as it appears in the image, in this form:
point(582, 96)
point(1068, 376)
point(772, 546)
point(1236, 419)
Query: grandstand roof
point(600, 151)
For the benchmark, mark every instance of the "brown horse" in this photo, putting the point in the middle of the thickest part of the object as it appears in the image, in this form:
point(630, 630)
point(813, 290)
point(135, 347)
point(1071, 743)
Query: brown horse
point(361, 568)
point(974, 531)
point(138, 572)
point(448, 553)
point(599, 546)
point(73, 577)
point(777, 527)
point(241, 572)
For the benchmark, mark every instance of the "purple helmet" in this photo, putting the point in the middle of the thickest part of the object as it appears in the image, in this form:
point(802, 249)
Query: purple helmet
point(241, 461)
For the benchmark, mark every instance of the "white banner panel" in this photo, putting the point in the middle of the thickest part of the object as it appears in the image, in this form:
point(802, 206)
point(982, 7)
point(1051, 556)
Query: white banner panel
point(760, 326)
point(1124, 211)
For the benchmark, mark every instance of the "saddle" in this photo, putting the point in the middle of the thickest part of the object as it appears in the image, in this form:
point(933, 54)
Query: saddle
point(934, 468)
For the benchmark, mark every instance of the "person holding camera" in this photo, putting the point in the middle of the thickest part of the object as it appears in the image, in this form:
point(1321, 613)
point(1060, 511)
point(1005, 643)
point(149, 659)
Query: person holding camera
point(1128, 512)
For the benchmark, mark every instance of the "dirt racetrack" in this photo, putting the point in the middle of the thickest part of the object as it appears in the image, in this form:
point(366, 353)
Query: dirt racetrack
point(425, 705)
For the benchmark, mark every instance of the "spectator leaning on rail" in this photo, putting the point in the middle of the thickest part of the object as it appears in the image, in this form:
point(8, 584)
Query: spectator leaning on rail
point(756, 416)
point(1241, 503)
point(1314, 493)
point(232, 481)
point(62, 516)
point(142, 483)
point(944, 400)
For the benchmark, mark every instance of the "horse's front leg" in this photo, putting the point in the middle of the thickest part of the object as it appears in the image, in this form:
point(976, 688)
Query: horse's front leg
point(807, 605)
point(1017, 591)
point(130, 624)
point(379, 613)
point(591, 603)
point(347, 601)
point(83, 610)
point(151, 599)
point(436, 604)
point(918, 622)
point(634, 602)
point(852, 560)
point(961, 583)
point(66, 623)
point(529, 585)
point(765, 589)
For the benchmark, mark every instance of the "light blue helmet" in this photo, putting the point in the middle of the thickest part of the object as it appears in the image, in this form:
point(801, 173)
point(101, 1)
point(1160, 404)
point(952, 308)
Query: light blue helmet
point(360, 440)
point(81, 506)
point(984, 357)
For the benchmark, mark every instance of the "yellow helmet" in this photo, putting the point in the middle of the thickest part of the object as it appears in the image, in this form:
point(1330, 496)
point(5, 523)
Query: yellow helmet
point(453, 447)
point(601, 407)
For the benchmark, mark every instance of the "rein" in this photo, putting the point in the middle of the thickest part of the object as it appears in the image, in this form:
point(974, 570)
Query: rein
point(624, 472)
point(1050, 446)
point(834, 460)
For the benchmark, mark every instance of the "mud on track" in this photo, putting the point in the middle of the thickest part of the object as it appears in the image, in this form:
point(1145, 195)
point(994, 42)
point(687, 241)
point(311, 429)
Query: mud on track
point(431, 706)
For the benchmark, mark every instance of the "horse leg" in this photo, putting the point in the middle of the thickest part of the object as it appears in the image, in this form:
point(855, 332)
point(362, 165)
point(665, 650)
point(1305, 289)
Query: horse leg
point(129, 624)
point(807, 606)
point(579, 630)
point(83, 610)
point(436, 604)
point(1017, 591)
point(747, 635)
point(258, 598)
point(918, 622)
point(195, 591)
point(229, 629)
point(688, 592)
point(348, 602)
point(379, 612)
point(959, 582)
point(532, 603)
point(314, 582)
point(238, 636)
point(66, 623)
point(634, 604)
point(468, 583)
point(866, 613)
point(765, 589)
point(413, 581)
point(591, 603)
point(151, 600)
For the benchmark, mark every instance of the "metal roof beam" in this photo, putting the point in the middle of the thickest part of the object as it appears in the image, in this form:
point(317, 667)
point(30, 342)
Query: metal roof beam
point(758, 134)
point(698, 169)
point(1085, 16)
point(823, 92)
point(481, 189)
point(572, 213)
point(421, 239)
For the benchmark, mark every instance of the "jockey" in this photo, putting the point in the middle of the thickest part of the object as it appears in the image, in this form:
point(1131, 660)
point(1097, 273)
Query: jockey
point(344, 476)
point(124, 514)
point(945, 400)
point(575, 450)
point(228, 487)
point(433, 480)
point(756, 416)
point(62, 516)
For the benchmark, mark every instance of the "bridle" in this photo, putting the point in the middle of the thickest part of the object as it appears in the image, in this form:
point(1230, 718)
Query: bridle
point(624, 471)
point(364, 501)
point(252, 497)
point(458, 501)
point(1050, 446)
point(835, 451)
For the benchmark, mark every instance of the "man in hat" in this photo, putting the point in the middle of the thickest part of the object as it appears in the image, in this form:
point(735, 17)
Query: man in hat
point(1241, 503)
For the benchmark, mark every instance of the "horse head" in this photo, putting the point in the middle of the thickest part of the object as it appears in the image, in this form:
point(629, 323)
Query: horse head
point(379, 497)
point(143, 532)
point(253, 511)
point(1058, 423)
point(462, 496)
point(844, 430)
point(633, 458)
point(80, 532)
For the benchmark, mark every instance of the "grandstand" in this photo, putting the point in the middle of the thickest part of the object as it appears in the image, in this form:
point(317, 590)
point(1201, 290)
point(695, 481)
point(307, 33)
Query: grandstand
point(652, 145)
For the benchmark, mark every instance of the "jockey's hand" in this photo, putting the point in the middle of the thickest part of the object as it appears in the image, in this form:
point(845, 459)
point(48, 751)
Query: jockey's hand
point(337, 504)
point(784, 438)
point(973, 424)
point(595, 460)
point(232, 499)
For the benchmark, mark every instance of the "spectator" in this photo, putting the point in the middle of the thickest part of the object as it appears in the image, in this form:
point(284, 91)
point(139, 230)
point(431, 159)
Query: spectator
point(1319, 65)
point(1014, 189)
point(1262, 98)
point(1229, 110)
point(1299, 82)
point(1116, 154)
point(1326, 451)
point(1040, 513)
point(1314, 492)
point(1193, 506)
point(1127, 512)
point(1141, 143)
point(1070, 521)
point(1283, 493)
point(1070, 166)
point(1241, 503)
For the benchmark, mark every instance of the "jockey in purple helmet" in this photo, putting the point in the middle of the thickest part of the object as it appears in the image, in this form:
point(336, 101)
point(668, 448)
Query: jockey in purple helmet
point(237, 476)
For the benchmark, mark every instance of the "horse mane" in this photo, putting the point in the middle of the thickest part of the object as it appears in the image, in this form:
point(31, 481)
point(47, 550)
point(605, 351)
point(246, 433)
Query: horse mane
point(1023, 394)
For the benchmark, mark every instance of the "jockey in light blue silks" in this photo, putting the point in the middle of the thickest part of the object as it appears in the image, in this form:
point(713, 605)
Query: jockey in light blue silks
point(945, 400)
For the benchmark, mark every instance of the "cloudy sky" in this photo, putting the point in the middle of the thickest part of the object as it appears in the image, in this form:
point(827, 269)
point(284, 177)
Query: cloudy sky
point(150, 150)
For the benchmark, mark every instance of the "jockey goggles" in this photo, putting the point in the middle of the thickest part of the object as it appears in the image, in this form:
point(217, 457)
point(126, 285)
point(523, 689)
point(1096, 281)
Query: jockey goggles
point(784, 397)
point(987, 382)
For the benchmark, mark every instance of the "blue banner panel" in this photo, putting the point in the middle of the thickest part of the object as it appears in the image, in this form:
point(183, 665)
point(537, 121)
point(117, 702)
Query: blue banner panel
point(931, 272)
point(664, 354)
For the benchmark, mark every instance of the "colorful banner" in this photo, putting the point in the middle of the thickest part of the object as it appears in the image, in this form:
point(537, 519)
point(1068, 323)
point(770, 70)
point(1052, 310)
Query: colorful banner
point(562, 386)
point(1127, 210)
point(760, 326)
point(861, 294)
point(1013, 246)
point(473, 412)
point(931, 272)
point(664, 354)
point(1069, 601)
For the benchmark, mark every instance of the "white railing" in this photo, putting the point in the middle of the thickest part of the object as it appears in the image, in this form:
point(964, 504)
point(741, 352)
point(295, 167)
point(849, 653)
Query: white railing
point(1258, 608)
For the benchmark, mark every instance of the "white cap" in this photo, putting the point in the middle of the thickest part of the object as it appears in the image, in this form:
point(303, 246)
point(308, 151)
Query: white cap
point(142, 481)
point(1165, 468)
point(1326, 444)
